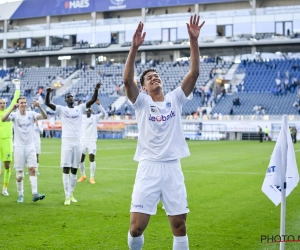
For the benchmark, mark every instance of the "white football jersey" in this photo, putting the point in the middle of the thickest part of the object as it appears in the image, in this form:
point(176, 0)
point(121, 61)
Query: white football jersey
point(160, 136)
point(71, 120)
point(23, 127)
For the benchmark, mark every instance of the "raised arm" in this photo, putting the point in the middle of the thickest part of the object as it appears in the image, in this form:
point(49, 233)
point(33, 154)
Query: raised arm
point(102, 110)
point(47, 99)
point(16, 94)
point(5, 116)
point(90, 102)
point(131, 88)
point(190, 79)
point(43, 114)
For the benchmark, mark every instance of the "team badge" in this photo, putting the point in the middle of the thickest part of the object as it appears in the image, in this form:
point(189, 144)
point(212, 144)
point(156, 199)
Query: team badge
point(153, 109)
point(168, 105)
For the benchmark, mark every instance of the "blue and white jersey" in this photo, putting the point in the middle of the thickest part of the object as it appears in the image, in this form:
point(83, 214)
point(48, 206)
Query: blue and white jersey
point(160, 136)
point(89, 126)
point(23, 127)
point(71, 120)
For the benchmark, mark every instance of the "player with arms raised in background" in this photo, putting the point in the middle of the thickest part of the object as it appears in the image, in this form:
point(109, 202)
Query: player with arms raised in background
point(88, 140)
point(6, 137)
point(71, 119)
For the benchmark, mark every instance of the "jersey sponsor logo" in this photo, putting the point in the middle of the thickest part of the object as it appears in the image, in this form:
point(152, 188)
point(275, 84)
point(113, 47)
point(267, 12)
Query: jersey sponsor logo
point(77, 4)
point(23, 124)
point(71, 116)
point(161, 118)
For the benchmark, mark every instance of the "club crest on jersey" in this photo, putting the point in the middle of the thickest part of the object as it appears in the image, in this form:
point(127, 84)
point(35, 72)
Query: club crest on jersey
point(168, 105)
point(153, 109)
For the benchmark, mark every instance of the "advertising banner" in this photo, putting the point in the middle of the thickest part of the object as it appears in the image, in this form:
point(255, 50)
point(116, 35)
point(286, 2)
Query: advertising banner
point(40, 8)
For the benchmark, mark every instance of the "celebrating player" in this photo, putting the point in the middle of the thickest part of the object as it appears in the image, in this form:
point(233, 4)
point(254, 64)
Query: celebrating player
point(6, 137)
point(71, 119)
point(88, 140)
point(24, 149)
point(161, 143)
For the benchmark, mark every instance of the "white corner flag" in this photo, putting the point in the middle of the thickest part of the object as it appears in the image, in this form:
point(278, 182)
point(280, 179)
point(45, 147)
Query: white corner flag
point(282, 172)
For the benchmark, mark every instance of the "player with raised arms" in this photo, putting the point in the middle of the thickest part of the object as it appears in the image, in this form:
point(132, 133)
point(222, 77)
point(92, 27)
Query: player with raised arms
point(71, 119)
point(6, 137)
point(89, 135)
point(161, 143)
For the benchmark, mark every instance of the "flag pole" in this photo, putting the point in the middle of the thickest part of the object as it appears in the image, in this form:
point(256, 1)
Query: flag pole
point(282, 215)
point(283, 183)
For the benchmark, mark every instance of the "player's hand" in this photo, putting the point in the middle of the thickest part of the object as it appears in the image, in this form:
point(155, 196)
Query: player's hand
point(49, 90)
point(15, 106)
point(193, 27)
point(98, 101)
point(36, 104)
point(98, 85)
point(138, 37)
point(16, 82)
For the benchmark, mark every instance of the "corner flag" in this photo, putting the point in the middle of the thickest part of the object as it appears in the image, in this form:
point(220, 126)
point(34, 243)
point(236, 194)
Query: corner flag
point(282, 172)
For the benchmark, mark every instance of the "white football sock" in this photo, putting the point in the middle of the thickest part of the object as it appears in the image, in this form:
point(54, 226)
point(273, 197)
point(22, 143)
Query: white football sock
point(72, 183)
point(180, 243)
point(82, 168)
point(33, 181)
point(92, 169)
point(20, 184)
point(66, 180)
point(20, 187)
point(135, 243)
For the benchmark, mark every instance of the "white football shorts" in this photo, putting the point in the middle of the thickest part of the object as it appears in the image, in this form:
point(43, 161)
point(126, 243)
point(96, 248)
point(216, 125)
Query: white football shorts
point(70, 153)
point(37, 148)
point(157, 181)
point(24, 155)
point(88, 147)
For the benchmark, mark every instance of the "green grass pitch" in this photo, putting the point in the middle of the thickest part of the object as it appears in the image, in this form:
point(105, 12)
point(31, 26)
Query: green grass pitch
point(223, 180)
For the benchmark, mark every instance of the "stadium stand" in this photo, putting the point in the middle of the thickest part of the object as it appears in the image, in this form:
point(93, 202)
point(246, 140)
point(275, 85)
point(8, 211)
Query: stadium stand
point(45, 48)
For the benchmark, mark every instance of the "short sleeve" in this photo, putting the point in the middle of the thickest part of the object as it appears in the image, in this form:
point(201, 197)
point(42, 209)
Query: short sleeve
point(35, 115)
point(180, 95)
point(58, 109)
point(82, 107)
point(11, 117)
point(140, 100)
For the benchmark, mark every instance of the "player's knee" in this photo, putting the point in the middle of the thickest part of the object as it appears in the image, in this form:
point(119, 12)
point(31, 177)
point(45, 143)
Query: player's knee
point(32, 171)
point(179, 229)
point(136, 231)
point(66, 170)
point(19, 176)
point(74, 171)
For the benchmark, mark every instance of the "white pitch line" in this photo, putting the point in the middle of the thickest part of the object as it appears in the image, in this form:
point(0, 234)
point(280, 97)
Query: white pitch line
point(188, 171)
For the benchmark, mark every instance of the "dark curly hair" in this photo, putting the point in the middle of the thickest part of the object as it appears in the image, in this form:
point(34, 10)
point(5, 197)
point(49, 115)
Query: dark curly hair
point(68, 94)
point(145, 72)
